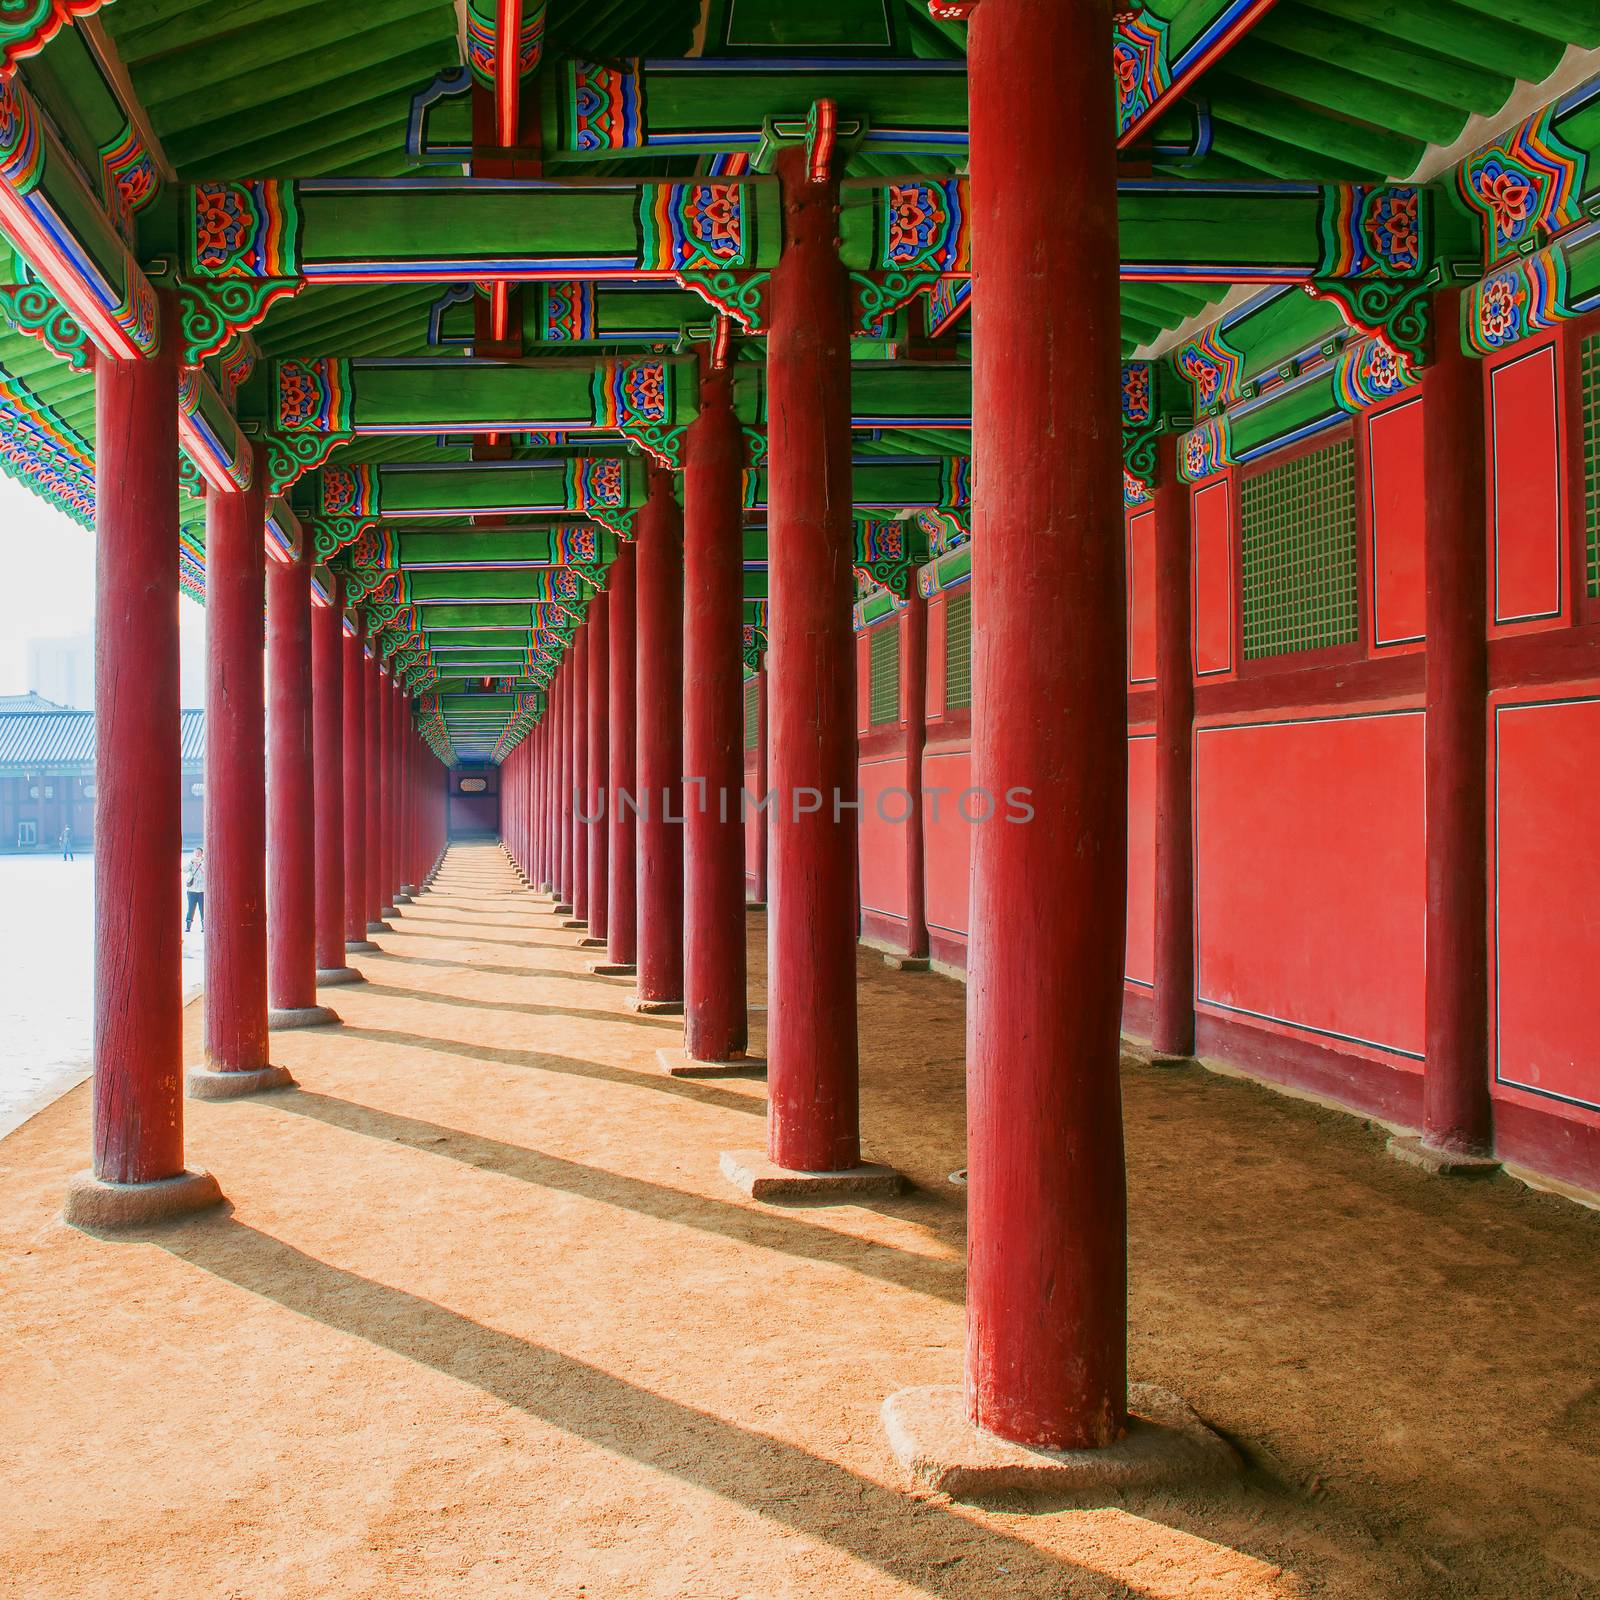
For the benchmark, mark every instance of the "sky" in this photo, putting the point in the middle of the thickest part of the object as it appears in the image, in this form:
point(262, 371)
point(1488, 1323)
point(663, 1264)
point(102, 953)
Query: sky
point(47, 590)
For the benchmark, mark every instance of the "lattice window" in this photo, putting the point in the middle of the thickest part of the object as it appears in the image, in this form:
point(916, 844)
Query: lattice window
point(883, 698)
point(958, 648)
point(1299, 554)
point(1589, 399)
point(752, 713)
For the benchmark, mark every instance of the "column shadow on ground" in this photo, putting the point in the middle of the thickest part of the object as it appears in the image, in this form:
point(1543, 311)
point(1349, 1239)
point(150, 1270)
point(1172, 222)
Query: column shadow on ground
point(696, 1089)
point(577, 975)
point(523, 1008)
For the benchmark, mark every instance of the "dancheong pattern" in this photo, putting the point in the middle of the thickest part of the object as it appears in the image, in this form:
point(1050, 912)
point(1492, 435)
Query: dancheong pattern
point(598, 481)
point(21, 150)
point(1527, 182)
point(683, 226)
point(607, 106)
point(924, 228)
point(1139, 59)
point(1369, 371)
point(245, 230)
point(314, 396)
point(636, 393)
point(566, 312)
point(351, 492)
point(1527, 296)
point(1212, 367)
point(1137, 398)
point(1372, 232)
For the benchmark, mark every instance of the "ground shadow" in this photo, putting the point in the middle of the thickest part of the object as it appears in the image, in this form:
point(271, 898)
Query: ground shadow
point(521, 1007)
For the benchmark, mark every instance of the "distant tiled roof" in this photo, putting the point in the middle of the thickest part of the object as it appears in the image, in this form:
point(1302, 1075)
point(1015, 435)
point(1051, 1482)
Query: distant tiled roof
point(15, 704)
point(35, 740)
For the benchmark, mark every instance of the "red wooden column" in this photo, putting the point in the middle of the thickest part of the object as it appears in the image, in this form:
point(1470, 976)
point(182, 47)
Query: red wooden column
point(137, 1173)
point(564, 786)
point(658, 648)
point(386, 805)
point(1457, 1122)
point(406, 770)
point(235, 807)
point(914, 687)
point(578, 657)
point(327, 712)
point(1047, 1239)
point(355, 785)
point(622, 822)
point(1173, 1030)
point(716, 1019)
point(760, 890)
point(812, 1074)
point(372, 872)
point(599, 743)
point(291, 802)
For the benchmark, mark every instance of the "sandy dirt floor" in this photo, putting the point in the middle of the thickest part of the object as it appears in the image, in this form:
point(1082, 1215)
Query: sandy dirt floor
point(484, 1320)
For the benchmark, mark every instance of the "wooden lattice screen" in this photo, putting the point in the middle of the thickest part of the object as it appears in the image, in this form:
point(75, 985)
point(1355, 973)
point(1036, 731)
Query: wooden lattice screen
point(958, 648)
point(883, 700)
point(1589, 392)
point(1298, 545)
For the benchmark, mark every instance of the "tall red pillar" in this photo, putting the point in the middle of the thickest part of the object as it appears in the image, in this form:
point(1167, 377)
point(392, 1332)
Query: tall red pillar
point(658, 644)
point(812, 1070)
point(1172, 1036)
point(291, 802)
point(622, 821)
point(564, 888)
point(578, 657)
point(758, 891)
point(137, 1173)
point(599, 703)
point(372, 876)
point(235, 1006)
point(1047, 1215)
point(355, 785)
point(914, 688)
point(327, 711)
point(1457, 1120)
point(716, 1018)
point(405, 888)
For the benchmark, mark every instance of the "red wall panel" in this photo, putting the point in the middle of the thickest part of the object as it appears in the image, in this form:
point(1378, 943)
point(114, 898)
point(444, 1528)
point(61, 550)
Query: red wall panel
point(1213, 578)
point(1140, 961)
point(883, 836)
point(1526, 547)
point(947, 839)
point(1545, 915)
point(1310, 874)
point(936, 617)
point(1397, 510)
point(752, 823)
point(1142, 598)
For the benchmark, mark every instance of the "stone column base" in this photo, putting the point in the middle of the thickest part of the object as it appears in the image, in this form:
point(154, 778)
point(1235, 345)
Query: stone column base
point(409, 890)
point(402, 898)
point(97, 1203)
point(589, 942)
point(205, 1084)
point(327, 976)
point(680, 1064)
point(1412, 1149)
point(391, 911)
point(907, 963)
point(656, 1008)
point(301, 1016)
point(574, 922)
point(752, 1172)
point(561, 909)
point(613, 969)
point(360, 947)
point(1166, 1446)
point(379, 927)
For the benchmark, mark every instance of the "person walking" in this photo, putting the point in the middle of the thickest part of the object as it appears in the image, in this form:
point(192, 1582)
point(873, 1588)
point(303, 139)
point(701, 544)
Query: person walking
point(194, 885)
point(66, 843)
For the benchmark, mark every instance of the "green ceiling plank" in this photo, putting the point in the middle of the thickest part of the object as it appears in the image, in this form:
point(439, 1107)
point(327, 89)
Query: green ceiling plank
point(1569, 21)
point(250, 92)
point(1333, 84)
point(1489, 43)
point(1139, 331)
point(347, 34)
point(231, 149)
point(1370, 150)
point(1269, 155)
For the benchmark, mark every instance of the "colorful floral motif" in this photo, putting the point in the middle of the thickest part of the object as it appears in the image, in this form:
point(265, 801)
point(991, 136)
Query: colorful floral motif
point(128, 180)
point(1528, 296)
point(955, 481)
point(1369, 371)
point(1137, 393)
point(27, 26)
point(244, 230)
point(607, 106)
point(596, 481)
point(1530, 180)
point(687, 226)
point(924, 228)
point(314, 396)
point(1205, 450)
point(636, 393)
point(1139, 59)
point(1212, 367)
point(21, 150)
point(350, 492)
point(1135, 492)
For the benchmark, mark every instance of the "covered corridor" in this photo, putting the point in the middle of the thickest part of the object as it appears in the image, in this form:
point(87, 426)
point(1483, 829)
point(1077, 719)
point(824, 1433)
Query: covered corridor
point(484, 1317)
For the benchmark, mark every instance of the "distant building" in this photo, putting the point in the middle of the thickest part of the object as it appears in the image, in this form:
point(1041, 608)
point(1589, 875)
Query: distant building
point(63, 670)
point(47, 774)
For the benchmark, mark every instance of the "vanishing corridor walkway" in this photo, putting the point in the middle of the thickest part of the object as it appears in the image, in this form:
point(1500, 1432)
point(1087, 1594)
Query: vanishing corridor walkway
point(486, 1320)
